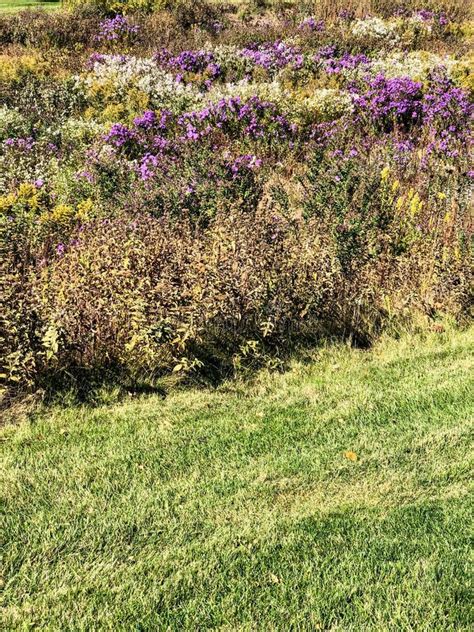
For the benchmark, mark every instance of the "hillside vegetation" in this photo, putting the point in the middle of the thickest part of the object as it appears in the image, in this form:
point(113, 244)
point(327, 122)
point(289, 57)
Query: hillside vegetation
point(196, 188)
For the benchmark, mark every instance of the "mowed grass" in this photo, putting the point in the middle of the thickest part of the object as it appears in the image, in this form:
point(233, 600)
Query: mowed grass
point(9, 6)
point(241, 509)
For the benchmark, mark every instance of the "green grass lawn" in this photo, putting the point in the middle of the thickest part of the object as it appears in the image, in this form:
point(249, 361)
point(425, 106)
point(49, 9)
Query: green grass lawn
point(7, 6)
point(241, 509)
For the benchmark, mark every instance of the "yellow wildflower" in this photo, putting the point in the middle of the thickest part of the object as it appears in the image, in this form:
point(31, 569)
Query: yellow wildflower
point(400, 202)
point(84, 208)
point(415, 205)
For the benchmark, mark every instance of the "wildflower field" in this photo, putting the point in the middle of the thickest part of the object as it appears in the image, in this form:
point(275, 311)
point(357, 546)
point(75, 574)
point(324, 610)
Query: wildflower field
point(196, 192)
point(201, 188)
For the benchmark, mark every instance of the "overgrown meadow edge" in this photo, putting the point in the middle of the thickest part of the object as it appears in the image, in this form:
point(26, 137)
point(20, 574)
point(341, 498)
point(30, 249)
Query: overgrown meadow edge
point(192, 187)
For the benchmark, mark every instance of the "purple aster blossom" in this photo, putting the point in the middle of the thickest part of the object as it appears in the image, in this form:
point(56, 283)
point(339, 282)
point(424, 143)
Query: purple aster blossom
point(386, 99)
point(446, 105)
point(192, 61)
point(87, 175)
point(165, 117)
point(39, 182)
point(95, 58)
point(247, 162)
point(119, 135)
point(24, 144)
point(191, 132)
point(214, 69)
point(402, 151)
point(147, 166)
point(274, 56)
point(403, 146)
point(116, 29)
point(154, 136)
point(346, 62)
point(311, 24)
point(443, 19)
point(161, 144)
point(325, 52)
point(425, 15)
point(145, 120)
point(254, 118)
point(346, 14)
point(60, 248)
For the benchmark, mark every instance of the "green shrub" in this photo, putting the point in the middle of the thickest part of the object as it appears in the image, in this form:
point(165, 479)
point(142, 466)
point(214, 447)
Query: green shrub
point(187, 11)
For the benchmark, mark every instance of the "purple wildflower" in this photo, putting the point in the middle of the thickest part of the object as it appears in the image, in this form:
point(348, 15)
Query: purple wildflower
point(346, 62)
point(24, 144)
point(247, 162)
point(273, 57)
point(119, 135)
point(146, 120)
point(192, 61)
point(147, 166)
point(311, 24)
point(116, 29)
point(87, 175)
point(385, 99)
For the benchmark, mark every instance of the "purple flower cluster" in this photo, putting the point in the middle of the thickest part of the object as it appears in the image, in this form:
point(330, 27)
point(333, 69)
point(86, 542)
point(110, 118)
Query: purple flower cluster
point(386, 99)
point(253, 118)
point(326, 52)
point(443, 19)
point(274, 56)
point(245, 163)
point(444, 112)
point(100, 58)
point(425, 15)
point(147, 166)
point(146, 121)
point(402, 151)
point(194, 61)
point(23, 144)
point(117, 28)
point(95, 58)
point(346, 15)
point(448, 113)
point(446, 104)
point(119, 135)
point(153, 136)
point(334, 65)
point(311, 24)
